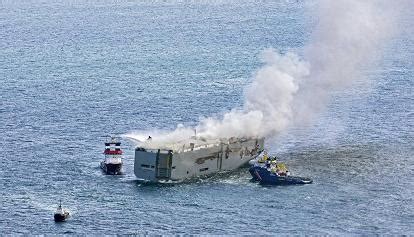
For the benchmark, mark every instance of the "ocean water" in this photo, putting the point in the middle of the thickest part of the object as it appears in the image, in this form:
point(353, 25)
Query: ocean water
point(74, 71)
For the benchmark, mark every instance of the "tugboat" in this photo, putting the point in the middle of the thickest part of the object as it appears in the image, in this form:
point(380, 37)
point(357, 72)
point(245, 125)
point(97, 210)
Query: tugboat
point(112, 164)
point(61, 215)
point(267, 171)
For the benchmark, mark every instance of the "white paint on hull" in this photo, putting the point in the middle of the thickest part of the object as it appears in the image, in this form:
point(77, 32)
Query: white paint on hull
point(161, 165)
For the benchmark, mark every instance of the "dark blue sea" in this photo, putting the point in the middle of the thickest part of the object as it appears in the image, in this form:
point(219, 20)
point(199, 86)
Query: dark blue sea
point(74, 71)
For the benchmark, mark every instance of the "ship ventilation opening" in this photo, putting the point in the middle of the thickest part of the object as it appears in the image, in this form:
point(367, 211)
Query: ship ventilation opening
point(163, 164)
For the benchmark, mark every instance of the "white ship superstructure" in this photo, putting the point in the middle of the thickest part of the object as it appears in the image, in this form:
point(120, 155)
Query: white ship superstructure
point(112, 164)
point(192, 158)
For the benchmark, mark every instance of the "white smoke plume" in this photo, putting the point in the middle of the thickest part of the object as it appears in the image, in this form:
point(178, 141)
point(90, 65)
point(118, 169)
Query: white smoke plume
point(268, 100)
point(289, 90)
point(349, 36)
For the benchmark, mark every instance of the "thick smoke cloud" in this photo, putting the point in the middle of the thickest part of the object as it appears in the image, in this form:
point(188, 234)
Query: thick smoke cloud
point(290, 90)
point(268, 100)
point(349, 36)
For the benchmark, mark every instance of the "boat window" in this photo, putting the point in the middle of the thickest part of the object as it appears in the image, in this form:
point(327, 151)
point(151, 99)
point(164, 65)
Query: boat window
point(203, 169)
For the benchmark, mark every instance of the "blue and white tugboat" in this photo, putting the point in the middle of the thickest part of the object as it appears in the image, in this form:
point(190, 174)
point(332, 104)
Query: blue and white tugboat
point(112, 164)
point(61, 214)
point(267, 171)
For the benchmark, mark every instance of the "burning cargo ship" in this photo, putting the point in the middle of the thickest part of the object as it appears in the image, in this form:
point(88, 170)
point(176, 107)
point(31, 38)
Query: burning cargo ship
point(193, 158)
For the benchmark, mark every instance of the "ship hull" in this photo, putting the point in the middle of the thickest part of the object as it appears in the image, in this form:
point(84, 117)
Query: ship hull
point(61, 217)
point(265, 177)
point(111, 169)
point(158, 165)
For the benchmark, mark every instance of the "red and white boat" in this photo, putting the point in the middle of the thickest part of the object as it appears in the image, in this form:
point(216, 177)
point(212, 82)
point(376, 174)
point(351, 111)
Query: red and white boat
point(112, 164)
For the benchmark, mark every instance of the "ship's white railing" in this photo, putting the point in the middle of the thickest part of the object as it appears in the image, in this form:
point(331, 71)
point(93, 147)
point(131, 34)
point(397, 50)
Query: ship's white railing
point(198, 147)
point(191, 145)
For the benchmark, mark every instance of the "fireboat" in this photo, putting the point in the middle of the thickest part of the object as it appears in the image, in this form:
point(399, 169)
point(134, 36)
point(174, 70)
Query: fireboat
point(112, 164)
point(268, 171)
